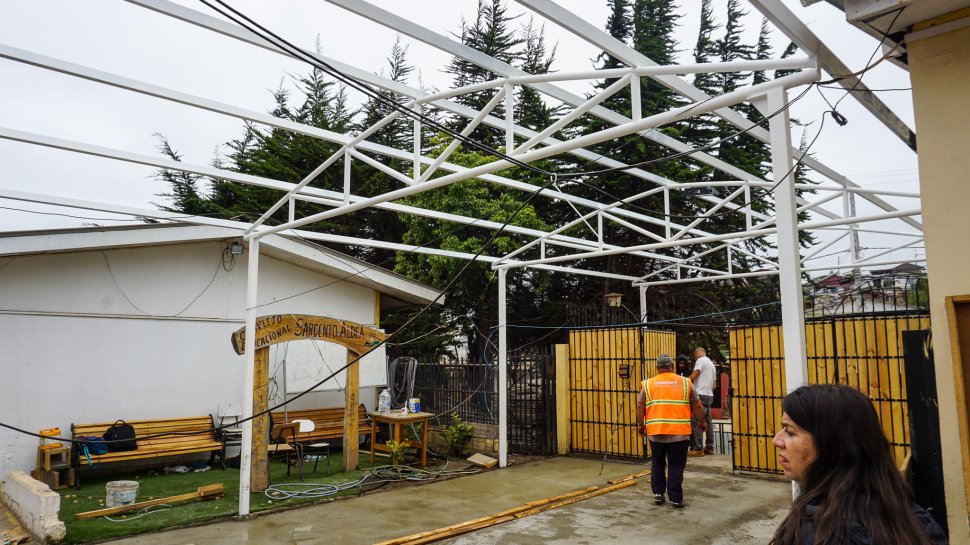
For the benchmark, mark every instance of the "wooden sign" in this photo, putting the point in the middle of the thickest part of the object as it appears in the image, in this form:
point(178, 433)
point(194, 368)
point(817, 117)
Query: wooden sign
point(279, 328)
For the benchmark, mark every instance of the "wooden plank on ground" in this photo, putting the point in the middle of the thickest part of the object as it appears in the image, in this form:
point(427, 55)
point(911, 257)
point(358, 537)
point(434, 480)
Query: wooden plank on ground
point(630, 477)
point(527, 509)
point(544, 501)
point(569, 501)
point(207, 492)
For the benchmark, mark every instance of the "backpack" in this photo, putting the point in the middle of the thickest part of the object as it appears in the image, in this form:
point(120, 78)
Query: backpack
point(120, 437)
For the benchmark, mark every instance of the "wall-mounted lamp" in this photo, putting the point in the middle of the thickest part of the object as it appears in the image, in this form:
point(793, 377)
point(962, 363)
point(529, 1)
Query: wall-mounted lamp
point(236, 247)
point(614, 300)
point(699, 191)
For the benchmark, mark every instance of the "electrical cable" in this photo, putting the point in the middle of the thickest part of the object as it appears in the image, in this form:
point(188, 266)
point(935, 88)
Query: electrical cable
point(297, 52)
point(264, 33)
point(65, 215)
point(869, 64)
point(769, 191)
point(375, 475)
point(222, 265)
point(416, 115)
point(705, 147)
point(886, 90)
point(313, 61)
point(136, 218)
point(142, 512)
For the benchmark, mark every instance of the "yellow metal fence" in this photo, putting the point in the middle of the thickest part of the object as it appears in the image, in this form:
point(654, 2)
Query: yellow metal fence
point(602, 402)
point(864, 352)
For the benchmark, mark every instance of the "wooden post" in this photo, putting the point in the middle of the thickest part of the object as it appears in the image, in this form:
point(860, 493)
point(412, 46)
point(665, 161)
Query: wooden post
point(259, 479)
point(563, 399)
point(351, 418)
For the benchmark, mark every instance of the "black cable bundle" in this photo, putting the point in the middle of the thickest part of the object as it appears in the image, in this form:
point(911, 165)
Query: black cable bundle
point(400, 380)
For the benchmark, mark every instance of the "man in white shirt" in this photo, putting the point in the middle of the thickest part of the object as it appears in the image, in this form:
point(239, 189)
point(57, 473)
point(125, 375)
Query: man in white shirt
point(703, 377)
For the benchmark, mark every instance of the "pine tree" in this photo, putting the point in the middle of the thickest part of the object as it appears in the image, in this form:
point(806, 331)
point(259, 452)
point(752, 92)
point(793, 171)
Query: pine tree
point(490, 34)
point(186, 196)
point(398, 133)
point(531, 110)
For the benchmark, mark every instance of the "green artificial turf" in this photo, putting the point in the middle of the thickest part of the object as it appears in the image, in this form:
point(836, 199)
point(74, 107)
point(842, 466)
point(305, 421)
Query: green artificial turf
point(155, 483)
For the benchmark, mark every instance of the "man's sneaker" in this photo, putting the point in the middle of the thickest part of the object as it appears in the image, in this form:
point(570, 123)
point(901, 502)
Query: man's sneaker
point(658, 499)
point(697, 452)
point(678, 504)
point(708, 450)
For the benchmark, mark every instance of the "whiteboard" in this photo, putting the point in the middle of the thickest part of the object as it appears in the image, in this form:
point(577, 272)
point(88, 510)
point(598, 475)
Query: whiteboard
point(307, 362)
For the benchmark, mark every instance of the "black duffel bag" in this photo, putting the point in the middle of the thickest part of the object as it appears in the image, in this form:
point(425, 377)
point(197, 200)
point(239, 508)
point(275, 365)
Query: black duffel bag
point(120, 437)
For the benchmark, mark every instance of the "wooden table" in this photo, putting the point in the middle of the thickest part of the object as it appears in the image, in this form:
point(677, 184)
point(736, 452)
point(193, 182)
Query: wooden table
point(396, 420)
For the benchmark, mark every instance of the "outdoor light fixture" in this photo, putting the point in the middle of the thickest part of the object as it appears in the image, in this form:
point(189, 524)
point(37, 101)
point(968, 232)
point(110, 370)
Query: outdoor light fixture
point(614, 300)
point(699, 191)
point(236, 247)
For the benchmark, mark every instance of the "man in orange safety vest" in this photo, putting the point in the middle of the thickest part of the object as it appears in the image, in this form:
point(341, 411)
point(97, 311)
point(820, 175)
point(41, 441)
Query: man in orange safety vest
point(663, 412)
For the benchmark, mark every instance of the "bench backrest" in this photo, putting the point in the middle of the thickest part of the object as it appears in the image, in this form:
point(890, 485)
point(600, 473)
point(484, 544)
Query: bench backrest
point(185, 430)
point(329, 421)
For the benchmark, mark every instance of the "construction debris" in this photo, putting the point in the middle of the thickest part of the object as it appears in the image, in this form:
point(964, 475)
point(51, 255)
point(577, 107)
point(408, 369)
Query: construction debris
point(481, 460)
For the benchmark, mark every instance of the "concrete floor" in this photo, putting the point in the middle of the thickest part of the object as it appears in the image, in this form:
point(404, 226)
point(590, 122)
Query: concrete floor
point(721, 509)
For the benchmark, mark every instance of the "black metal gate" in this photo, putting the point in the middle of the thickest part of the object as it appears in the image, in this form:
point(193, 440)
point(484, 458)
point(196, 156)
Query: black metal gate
point(532, 402)
point(470, 390)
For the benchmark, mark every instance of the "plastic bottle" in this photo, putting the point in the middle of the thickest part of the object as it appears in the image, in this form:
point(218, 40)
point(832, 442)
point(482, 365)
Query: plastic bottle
point(384, 402)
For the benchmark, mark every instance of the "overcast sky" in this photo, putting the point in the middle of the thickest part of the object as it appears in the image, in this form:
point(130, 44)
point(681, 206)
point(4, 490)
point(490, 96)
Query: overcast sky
point(125, 39)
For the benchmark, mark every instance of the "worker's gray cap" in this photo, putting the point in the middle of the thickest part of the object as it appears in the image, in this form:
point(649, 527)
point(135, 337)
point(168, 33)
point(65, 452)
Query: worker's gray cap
point(664, 360)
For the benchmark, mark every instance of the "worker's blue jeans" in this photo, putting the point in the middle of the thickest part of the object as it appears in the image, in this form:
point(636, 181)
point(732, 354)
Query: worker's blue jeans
point(697, 436)
point(667, 468)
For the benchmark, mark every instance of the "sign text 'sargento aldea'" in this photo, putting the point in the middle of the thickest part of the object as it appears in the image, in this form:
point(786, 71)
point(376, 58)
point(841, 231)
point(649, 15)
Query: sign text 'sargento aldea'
point(292, 327)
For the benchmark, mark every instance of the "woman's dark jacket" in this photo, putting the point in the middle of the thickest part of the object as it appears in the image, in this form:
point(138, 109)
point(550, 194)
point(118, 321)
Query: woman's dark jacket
point(860, 536)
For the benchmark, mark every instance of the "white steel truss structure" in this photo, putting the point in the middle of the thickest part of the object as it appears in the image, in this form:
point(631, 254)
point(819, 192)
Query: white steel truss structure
point(830, 212)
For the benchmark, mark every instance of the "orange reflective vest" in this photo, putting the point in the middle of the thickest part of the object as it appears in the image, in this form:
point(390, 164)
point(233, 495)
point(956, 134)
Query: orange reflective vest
point(667, 405)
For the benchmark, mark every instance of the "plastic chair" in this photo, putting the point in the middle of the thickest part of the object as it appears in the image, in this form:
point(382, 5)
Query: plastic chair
point(284, 445)
point(307, 426)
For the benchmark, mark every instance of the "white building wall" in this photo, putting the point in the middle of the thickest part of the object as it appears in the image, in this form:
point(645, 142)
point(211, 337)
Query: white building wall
point(98, 336)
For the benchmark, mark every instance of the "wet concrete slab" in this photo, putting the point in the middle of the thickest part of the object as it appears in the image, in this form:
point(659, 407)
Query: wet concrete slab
point(722, 509)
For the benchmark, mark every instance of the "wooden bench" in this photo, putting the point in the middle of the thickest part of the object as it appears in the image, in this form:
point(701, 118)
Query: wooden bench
point(156, 439)
point(329, 422)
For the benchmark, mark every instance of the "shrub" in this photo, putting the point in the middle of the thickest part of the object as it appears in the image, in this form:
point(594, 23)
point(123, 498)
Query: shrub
point(458, 434)
point(397, 449)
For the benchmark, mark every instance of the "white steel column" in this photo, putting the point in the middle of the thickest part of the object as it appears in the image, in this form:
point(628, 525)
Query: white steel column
point(503, 347)
point(643, 304)
point(789, 265)
point(509, 119)
point(416, 174)
point(245, 454)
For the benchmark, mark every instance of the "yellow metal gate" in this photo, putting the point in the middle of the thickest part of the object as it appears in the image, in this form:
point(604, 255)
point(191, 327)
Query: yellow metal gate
point(863, 352)
point(602, 402)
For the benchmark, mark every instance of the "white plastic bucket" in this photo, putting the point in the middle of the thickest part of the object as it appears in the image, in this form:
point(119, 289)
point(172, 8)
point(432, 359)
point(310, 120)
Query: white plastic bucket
point(120, 493)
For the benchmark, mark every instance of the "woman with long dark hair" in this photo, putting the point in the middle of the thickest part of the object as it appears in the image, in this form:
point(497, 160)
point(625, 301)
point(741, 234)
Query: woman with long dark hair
point(832, 445)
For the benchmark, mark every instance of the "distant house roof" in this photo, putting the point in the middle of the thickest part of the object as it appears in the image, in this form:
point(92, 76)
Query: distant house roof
point(903, 268)
point(396, 289)
point(834, 280)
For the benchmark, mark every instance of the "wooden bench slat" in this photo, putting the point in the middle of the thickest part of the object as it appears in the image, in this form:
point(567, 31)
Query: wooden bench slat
point(329, 422)
point(156, 438)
